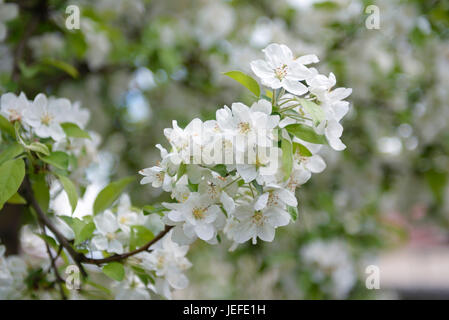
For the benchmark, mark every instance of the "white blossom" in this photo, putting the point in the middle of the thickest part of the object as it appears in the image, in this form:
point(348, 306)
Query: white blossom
point(281, 70)
point(107, 238)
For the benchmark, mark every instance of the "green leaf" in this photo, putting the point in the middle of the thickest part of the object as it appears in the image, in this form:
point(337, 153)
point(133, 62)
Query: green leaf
point(73, 130)
point(306, 133)
point(139, 236)
point(11, 152)
point(49, 240)
point(58, 159)
point(12, 173)
point(181, 171)
point(39, 147)
point(287, 158)
point(293, 212)
point(245, 80)
point(314, 110)
point(110, 193)
point(83, 229)
point(7, 126)
point(41, 191)
point(220, 169)
point(67, 68)
point(114, 270)
point(258, 187)
point(149, 209)
point(70, 189)
point(29, 71)
point(17, 199)
point(303, 151)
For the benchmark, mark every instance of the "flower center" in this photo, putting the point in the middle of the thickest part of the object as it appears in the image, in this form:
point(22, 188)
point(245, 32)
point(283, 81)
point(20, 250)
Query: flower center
point(160, 176)
point(14, 115)
point(46, 119)
point(244, 127)
point(198, 213)
point(258, 218)
point(110, 236)
point(123, 220)
point(273, 199)
point(281, 72)
point(160, 262)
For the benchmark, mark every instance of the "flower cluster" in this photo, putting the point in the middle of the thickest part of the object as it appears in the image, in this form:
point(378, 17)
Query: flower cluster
point(235, 176)
point(238, 174)
point(43, 116)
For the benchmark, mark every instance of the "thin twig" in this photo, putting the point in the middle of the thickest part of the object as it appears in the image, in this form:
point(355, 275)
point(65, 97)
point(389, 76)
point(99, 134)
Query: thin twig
point(59, 279)
point(78, 257)
point(119, 257)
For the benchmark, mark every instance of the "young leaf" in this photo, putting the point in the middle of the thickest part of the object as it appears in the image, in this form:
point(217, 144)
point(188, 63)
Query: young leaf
point(245, 80)
point(7, 127)
point(67, 68)
point(12, 173)
point(287, 158)
point(17, 199)
point(303, 151)
point(83, 229)
point(315, 111)
point(258, 187)
point(139, 236)
point(149, 209)
point(182, 170)
point(110, 193)
point(114, 270)
point(11, 152)
point(70, 189)
point(306, 133)
point(293, 212)
point(72, 130)
point(39, 147)
point(41, 191)
point(220, 169)
point(58, 159)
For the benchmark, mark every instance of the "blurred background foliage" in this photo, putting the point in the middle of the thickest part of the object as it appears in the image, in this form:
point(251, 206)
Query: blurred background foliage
point(137, 65)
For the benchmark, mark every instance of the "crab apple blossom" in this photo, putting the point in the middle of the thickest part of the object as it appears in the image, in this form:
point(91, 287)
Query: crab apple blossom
point(281, 70)
point(231, 179)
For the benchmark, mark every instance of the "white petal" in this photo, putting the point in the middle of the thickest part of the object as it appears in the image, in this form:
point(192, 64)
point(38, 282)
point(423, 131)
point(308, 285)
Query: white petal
point(294, 87)
point(115, 246)
point(177, 280)
point(263, 106)
point(340, 109)
point(266, 232)
point(288, 197)
point(205, 231)
point(336, 144)
point(261, 69)
point(228, 203)
point(261, 202)
point(308, 59)
point(340, 93)
point(333, 129)
point(315, 164)
point(100, 242)
point(247, 172)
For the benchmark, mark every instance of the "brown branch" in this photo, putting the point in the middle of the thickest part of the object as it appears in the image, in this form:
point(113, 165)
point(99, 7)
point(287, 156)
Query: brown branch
point(58, 277)
point(78, 257)
point(123, 256)
point(31, 200)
